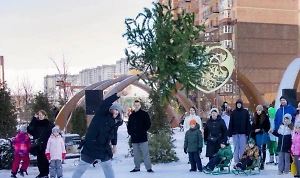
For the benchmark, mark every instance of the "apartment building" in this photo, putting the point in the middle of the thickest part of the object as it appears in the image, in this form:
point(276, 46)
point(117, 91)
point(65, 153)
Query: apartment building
point(122, 67)
point(94, 75)
point(52, 82)
point(263, 35)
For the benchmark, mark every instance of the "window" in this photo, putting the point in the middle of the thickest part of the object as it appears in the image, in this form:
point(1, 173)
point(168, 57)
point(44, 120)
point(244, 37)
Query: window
point(227, 29)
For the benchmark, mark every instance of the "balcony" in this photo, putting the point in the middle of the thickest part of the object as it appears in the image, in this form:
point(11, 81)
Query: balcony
point(212, 26)
point(210, 12)
point(207, 2)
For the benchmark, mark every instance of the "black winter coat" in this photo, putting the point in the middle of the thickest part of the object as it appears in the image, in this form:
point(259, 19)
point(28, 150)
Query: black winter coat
point(239, 122)
point(101, 132)
point(264, 127)
point(216, 128)
point(284, 142)
point(138, 124)
point(40, 130)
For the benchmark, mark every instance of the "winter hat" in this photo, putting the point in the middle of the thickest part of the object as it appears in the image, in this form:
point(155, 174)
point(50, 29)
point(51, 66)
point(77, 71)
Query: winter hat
point(214, 110)
point(251, 140)
point(282, 97)
point(193, 122)
point(23, 128)
point(116, 107)
point(224, 142)
point(259, 107)
point(55, 129)
point(239, 101)
point(272, 112)
point(287, 116)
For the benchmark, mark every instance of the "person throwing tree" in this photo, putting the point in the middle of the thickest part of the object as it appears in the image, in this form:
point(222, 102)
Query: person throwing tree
point(101, 138)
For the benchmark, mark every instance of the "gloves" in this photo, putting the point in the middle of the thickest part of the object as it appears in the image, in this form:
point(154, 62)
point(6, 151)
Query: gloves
point(63, 156)
point(48, 156)
point(185, 150)
point(200, 149)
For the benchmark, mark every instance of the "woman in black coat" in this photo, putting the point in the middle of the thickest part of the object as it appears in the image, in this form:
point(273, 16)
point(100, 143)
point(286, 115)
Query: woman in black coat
point(260, 125)
point(215, 131)
point(40, 128)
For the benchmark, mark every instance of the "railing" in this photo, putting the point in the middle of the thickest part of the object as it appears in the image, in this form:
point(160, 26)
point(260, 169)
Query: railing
point(210, 11)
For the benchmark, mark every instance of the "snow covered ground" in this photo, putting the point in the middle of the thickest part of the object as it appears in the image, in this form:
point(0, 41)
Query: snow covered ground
point(123, 165)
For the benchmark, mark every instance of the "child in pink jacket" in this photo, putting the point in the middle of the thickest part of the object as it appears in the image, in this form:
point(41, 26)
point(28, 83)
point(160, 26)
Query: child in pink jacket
point(21, 144)
point(55, 153)
point(296, 147)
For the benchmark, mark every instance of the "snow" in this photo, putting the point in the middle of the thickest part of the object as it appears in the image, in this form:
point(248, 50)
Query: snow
point(123, 165)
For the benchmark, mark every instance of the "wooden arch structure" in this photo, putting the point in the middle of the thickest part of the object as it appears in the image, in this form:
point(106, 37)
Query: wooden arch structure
point(245, 85)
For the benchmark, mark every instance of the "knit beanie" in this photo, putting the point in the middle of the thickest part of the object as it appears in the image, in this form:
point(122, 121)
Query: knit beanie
point(251, 140)
point(193, 122)
point(23, 128)
point(55, 129)
point(214, 110)
point(224, 142)
point(259, 107)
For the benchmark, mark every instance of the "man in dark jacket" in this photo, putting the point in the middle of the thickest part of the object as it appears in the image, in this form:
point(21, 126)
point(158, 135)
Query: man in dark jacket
point(138, 125)
point(101, 134)
point(239, 129)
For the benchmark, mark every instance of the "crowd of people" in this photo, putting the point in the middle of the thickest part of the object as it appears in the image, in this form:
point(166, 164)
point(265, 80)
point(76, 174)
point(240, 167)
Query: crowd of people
point(268, 128)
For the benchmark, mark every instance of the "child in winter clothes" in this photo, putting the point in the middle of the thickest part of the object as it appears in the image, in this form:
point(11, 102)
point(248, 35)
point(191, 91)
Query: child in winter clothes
point(55, 153)
point(296, 147)
point(193, 142)
point(21, 144)
point(272, 145)
point(284, 135)
point(251, 153)
point(223, 156)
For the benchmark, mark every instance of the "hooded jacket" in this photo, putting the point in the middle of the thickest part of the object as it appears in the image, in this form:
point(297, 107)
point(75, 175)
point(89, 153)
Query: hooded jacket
point(239, 120)
point(56, 147)
point(272, 112)
point(102, 131)
point(284, 135)
point(281, 111)
point(193, 139)
point(21, 144)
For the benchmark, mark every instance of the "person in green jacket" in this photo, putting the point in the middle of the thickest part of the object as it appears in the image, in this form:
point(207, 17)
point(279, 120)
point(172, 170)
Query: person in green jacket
point(193, 142)
point(223, 156)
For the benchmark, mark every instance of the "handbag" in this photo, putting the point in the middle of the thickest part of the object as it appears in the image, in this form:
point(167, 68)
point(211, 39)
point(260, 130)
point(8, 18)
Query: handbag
point(262, 139)
point(212, 138)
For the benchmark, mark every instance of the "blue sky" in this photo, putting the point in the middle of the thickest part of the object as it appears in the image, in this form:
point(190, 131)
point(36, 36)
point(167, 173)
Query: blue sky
point(88, 32)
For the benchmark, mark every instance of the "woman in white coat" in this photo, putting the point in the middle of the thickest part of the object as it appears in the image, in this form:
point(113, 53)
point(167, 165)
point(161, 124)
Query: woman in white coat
point(186, 124)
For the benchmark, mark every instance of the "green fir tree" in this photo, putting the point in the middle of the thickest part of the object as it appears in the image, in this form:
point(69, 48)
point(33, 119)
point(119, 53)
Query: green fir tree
point(8, 115)
point(40, 101)
point(79, 122)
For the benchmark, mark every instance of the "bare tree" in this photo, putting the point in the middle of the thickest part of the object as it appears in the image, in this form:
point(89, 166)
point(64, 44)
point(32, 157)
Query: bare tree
point(22, 95)
point(62, 76)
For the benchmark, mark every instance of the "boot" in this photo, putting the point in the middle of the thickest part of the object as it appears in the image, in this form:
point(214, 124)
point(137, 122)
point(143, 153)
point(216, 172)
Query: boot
point(13, 175)
point(276, 159)
point(271, 160)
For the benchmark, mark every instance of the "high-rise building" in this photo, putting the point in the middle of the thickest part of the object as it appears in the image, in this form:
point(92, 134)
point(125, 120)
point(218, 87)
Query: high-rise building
point(263, 35)
point(94, 75)
point(52, 83)
point(122, 67)
point(1, 69)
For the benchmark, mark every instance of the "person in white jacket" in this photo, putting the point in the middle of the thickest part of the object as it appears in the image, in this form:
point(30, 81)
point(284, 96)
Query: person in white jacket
point(186, 124)
point(55, 153)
